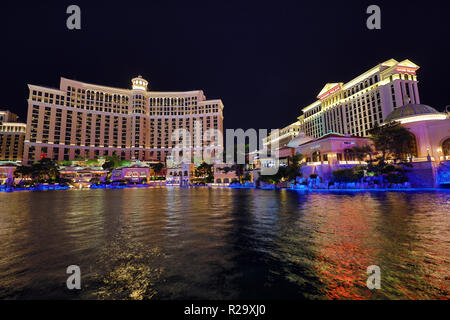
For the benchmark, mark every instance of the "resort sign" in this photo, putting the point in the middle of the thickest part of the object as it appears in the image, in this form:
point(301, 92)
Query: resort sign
point(406, 70)
point(329, 92)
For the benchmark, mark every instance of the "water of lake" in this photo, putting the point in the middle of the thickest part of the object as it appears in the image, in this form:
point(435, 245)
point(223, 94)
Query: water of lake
point(205, 243)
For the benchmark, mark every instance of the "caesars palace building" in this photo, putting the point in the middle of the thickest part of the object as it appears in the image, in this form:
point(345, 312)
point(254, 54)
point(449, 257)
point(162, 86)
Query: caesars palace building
point(89, 121)
point(353, 108)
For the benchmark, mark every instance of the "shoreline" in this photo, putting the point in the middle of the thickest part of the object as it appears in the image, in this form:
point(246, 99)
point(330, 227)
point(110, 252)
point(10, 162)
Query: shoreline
point(57, 187)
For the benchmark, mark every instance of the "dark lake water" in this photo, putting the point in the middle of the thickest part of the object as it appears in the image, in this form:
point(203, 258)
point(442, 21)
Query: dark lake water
point(203, 243)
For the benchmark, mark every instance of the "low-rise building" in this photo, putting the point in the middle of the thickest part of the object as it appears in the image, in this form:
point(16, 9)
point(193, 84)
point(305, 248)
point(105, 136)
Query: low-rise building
point(133, 173)
point(7, 169)
point(224, 174)
point(83, 175)
point(180, 175)
point(331, 148)
point(330, 152)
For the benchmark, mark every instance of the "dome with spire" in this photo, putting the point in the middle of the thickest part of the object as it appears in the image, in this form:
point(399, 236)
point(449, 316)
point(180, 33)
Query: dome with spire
point(139, 83)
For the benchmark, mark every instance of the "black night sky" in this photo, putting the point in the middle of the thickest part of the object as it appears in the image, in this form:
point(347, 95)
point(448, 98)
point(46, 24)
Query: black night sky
point(265, 60)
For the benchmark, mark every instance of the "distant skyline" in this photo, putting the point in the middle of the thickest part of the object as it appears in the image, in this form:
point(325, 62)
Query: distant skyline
point(265, 61)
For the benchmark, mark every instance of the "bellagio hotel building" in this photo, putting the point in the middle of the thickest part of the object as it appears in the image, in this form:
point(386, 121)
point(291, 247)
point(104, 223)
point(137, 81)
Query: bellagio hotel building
point(90, 121)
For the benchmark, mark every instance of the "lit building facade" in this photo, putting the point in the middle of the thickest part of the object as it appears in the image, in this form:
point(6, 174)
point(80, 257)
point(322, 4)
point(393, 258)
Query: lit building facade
point(356, 106)
point(7, 116)
point(133, 173)
point(180, 175)
point(430, 128)
point(89, 121)
point(12, 137)
point(285, 135)
point(431, 132)
point(7, 170)
point(224, 174)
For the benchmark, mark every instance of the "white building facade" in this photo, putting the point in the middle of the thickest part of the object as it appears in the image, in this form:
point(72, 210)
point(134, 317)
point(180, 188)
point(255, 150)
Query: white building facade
point(356, 106)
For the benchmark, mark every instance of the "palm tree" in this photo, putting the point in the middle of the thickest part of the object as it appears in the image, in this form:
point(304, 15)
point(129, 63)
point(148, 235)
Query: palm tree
point(205, 170)
point(157, 167)
point(22, 172)
point(293, 169)
point(44, 170)
point(112, 162)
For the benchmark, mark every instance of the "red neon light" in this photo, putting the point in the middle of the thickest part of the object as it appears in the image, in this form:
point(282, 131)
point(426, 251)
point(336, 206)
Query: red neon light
point(406, 70)
point(329, 92)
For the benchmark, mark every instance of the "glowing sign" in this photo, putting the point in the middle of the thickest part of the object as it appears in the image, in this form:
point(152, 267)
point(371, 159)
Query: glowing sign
point(406, 70)
point(330, 92)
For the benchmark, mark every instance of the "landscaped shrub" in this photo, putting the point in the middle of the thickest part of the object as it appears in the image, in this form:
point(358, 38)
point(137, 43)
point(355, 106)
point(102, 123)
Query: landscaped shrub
point(313, 176)
point(65, 163)
point(359, 171)
point(347, 175)
point(95, 180)
point(392, 168)
point(396, 178)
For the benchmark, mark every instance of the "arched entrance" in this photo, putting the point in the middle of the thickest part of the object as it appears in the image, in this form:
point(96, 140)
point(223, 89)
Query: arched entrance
point(410, 147)
point(446, 147)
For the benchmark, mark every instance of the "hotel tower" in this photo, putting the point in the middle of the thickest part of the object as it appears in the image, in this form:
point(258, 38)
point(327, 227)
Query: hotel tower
point(353, 108)
point(12, 135)
point(89, 121)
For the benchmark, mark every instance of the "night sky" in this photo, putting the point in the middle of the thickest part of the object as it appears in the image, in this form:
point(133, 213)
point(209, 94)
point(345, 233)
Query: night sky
point(265, 60)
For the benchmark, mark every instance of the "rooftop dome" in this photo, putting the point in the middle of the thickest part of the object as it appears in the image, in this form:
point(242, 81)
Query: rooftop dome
point(300, 139)
point(139, 83)
point(413, 110)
